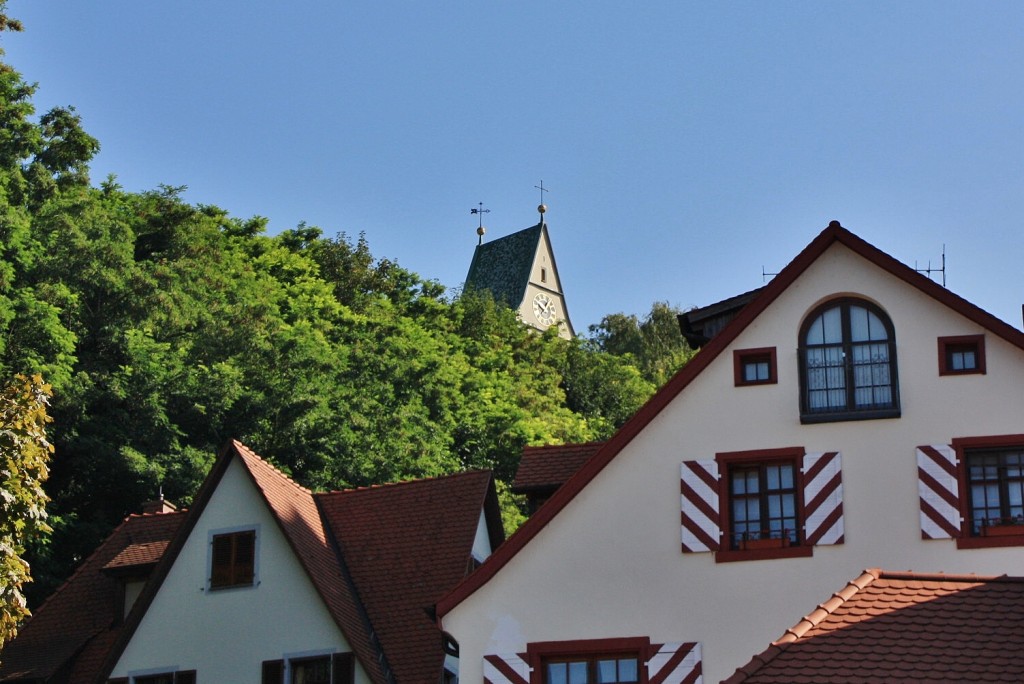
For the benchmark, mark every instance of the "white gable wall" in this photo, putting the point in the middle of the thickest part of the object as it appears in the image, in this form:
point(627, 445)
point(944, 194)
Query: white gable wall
point(226, 634)
point(610, 565)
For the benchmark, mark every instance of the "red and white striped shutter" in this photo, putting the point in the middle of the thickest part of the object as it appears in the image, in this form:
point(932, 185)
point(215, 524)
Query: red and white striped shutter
point(508, 668)
point(678, 663)
point(939, 491)
point(823, 498)
point(699, 485)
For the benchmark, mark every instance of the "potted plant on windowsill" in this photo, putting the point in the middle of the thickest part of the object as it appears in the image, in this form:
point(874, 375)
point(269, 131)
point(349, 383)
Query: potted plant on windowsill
point(765, 541)
point(1003, 527)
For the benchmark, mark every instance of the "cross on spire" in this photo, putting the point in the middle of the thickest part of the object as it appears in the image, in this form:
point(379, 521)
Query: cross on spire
point(541, 207)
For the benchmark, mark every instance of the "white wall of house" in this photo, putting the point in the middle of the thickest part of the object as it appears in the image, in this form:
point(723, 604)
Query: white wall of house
point(544, 279)
point(610, 564)
point(226, 634)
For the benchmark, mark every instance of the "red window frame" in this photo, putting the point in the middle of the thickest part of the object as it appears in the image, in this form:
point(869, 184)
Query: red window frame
point(732, 459)
point(538, 654)
point(964, 446)
point(960, 343)
point(743, 357)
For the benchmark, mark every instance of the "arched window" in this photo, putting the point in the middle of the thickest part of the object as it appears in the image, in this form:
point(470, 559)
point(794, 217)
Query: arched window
point(848, 363)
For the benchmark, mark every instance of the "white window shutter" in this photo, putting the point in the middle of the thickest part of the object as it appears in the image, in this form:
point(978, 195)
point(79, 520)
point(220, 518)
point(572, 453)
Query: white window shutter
point(508, 668)
point(823, 498)
point(678, 663)
point(939, 492)
point(699, 502)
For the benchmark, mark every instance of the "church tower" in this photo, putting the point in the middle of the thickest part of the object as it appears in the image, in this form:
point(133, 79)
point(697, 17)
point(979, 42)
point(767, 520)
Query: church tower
point(519, 269)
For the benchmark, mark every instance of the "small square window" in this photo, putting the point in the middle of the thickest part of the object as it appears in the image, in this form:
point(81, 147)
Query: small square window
point(962, 355)
point(754, 366)
point(233, 559)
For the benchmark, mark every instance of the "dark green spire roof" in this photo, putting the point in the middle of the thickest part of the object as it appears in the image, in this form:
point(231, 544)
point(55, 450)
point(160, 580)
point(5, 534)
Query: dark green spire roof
point(503, 266)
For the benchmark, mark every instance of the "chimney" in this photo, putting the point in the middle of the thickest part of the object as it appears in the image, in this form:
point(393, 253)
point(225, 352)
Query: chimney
point(158, 506)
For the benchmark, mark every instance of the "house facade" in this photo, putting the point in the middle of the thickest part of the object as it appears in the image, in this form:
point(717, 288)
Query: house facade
point(852, 414)
point(265, 581)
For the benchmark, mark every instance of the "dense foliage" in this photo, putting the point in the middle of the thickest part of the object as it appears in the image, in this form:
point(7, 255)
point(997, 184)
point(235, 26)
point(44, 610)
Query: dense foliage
point(25, 455)
point(166, 329)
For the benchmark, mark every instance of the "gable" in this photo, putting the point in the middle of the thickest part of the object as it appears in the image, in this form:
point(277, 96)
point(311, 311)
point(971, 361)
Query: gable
point(282, 614)
point(504, 266)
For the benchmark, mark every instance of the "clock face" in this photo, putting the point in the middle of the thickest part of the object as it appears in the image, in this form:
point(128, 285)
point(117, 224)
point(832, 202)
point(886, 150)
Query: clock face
point(544, 309)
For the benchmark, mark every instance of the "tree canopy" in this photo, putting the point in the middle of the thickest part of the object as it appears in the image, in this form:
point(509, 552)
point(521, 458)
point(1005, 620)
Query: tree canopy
point(166, 329)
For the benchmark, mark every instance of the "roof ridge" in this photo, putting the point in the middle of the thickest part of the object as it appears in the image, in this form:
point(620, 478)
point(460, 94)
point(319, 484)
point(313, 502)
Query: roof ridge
point(400, 483)
point(249, 452)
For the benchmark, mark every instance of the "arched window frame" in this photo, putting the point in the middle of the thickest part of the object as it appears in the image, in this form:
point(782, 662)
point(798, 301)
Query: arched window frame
point(850, 410)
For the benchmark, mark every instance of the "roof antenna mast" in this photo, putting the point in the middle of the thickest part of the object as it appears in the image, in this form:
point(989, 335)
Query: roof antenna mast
point(541, 207)
point(480, 229)
point(929, 270)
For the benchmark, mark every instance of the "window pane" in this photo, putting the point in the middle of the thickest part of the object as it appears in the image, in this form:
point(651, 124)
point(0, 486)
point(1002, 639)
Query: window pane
point(314, 671)
point(607, 672)
point(628, 670)
point(578, 673)
point(557, 673)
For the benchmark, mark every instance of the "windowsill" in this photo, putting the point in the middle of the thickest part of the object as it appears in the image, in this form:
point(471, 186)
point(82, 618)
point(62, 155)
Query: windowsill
point(990, 542)
point(837, 416)
point(231, 587)
point(764, 554)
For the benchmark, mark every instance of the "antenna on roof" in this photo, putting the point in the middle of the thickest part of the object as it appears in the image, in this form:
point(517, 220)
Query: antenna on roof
point(764, 275)
point(541, 207)
point(929, 270)
point(480, 229)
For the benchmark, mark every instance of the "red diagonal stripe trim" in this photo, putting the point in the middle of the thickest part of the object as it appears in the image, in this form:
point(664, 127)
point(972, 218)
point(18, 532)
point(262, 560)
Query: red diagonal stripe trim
point(830, 487)
point(701, 535)
point(504, 668)
point(698, 502)
point(937, 487)
point(940, 459)
point(701, 472)
point(671, 664)
point(939, 520)
point(694, 675)
point(820, 464)
point(814, 536)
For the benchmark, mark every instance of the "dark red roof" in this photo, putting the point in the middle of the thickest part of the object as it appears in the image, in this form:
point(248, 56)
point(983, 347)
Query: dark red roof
point(405, 546)
point(833, 234)
point(903, 627)
point(549, 467)
point(380, 558)
point(74, 628)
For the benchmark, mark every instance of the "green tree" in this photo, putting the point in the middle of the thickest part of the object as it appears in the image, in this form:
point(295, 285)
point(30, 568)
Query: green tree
point(654, 342)
point(25, 453)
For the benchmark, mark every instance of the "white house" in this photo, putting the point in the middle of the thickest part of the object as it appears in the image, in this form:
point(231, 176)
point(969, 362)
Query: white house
point(265, 581)
point(852, 414)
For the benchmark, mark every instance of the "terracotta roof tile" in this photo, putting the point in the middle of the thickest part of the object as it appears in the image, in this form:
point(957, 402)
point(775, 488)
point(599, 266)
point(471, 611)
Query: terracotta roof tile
point(549, 467)
point(405, 545)
point(133, 555)
point(903, 627)
point(77, 623)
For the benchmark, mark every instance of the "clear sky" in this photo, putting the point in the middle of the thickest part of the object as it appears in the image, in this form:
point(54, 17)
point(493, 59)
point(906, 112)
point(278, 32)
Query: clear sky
point(686, 145)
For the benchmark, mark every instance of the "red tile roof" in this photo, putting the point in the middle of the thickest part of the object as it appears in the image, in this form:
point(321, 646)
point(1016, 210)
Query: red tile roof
point(903, 627)
point(832, 235)
point(405, 546)
point(380, 558)
point(79, 621)
point(549, 467)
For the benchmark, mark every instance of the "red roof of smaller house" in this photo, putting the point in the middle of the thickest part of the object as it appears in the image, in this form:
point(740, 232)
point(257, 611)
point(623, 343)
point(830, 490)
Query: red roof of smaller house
point(902, 627)
point(134, 555)
point(78, 622)
point(549, 467)
point(405, 545)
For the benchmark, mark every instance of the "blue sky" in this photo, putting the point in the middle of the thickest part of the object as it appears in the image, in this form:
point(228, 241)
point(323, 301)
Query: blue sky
point(686, 146)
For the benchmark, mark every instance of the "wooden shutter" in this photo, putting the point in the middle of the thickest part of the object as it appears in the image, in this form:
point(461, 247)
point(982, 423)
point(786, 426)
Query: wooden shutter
point(343, 668)
point(509, 668)
point(938, 490)
point(678, 663)
point(273, 672)
point(699, 505)
point(220, 561)
point(823, 498)
point(185, 677)
point(244, 565)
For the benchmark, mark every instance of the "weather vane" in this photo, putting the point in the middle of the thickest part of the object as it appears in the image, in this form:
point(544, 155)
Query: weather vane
point(541, 207)
point(480, 229)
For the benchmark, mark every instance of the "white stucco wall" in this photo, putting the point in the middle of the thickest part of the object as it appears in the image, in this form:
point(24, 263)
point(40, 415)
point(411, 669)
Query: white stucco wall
point(544, 263)
point(610, 564)
point(225, 635)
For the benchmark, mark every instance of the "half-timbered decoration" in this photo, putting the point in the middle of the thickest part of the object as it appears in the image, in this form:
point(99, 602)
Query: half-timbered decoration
point(814, 434)
point(266, 581)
